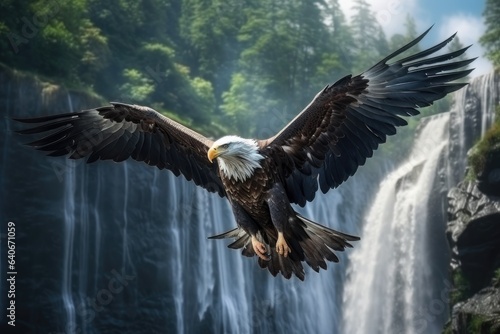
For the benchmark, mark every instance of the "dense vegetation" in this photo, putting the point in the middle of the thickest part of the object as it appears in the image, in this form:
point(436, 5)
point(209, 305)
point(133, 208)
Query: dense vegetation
point(491, 38)
point(483, 157)
point(224, 65)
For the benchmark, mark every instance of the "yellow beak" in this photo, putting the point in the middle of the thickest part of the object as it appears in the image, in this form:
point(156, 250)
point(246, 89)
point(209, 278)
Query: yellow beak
point(212, 153)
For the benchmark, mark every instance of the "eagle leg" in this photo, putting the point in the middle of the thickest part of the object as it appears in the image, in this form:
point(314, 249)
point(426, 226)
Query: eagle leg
point(281, 245)
point(280, 211)
point(259, 249)
point(247, 224)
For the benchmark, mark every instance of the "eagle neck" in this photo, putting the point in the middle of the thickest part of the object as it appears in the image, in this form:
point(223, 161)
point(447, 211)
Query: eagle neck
point(241, 166)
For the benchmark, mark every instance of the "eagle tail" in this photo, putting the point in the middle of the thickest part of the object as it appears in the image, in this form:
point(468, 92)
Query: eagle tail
point(309, 242)
point(243, 240)
point(317, 241)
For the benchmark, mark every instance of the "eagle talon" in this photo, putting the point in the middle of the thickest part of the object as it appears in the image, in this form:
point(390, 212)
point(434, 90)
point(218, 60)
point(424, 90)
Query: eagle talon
point(259, 249)
point(281, 245)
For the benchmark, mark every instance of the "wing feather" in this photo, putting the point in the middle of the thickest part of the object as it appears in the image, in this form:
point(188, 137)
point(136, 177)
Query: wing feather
point(120, 131)
point(327, 142)
point(128, 148)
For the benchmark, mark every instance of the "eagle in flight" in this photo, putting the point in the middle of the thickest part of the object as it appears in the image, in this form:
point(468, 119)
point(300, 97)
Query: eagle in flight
point(320, 148)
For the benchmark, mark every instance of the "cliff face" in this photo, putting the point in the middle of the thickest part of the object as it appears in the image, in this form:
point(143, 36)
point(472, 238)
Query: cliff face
point(474, 236)
point(26, 182)
point(23, 95)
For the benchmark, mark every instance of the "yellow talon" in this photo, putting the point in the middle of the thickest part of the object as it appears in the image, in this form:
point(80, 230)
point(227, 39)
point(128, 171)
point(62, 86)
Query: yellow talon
point(259, 249)
point(281, 245)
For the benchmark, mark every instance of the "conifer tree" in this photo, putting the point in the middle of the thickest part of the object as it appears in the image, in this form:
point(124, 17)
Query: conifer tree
point(491, 38)
point(370, 43)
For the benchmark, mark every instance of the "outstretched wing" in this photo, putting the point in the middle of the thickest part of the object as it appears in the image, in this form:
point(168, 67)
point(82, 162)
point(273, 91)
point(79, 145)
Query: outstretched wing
point(347, 121)
point(120, 131)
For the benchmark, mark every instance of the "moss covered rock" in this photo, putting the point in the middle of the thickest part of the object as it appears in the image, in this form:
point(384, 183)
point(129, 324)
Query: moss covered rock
point(474, 236)
point(484, 161)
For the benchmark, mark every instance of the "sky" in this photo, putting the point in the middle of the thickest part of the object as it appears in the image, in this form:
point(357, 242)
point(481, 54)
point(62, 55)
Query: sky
point(448, 16)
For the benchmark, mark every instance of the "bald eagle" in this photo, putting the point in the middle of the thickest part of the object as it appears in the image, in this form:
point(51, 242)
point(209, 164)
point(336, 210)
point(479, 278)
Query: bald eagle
point(320, 148)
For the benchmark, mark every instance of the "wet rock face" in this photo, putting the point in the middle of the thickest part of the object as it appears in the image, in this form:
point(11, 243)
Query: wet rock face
point(474, 233)
point(473, 229)
point(479, 314)
point(474, 236)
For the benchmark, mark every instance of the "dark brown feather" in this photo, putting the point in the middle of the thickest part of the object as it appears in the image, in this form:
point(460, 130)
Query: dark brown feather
point(346, 121)
point(120, 131)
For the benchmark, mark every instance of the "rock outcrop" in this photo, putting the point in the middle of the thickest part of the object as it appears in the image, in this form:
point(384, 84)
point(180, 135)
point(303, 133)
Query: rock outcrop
point(474, 236)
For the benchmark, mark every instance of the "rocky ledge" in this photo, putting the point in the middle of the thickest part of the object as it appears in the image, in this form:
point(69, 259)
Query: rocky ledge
point(474, 236)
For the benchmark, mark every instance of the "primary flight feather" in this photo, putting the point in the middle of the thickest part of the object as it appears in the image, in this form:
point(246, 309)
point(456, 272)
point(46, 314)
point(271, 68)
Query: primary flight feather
point(319, 149)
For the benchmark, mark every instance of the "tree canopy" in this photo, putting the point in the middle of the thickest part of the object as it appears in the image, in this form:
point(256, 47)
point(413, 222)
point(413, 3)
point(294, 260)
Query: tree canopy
point(491, 38)
point(245, 66)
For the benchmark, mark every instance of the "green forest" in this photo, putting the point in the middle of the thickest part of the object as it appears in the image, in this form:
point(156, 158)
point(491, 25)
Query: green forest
point(221, 66)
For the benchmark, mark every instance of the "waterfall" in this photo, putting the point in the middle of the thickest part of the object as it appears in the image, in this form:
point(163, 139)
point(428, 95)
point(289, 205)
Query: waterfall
point(69, 235)
point(389, 273)
point(195, 283)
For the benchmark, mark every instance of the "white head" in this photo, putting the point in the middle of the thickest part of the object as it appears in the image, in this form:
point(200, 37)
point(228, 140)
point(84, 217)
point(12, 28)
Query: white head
point(237, 157)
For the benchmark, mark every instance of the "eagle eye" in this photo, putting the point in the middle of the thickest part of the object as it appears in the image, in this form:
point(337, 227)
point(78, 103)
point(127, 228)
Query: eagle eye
point(224, 146)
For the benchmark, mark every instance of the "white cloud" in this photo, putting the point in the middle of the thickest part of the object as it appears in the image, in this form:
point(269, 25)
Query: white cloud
point(469, 29)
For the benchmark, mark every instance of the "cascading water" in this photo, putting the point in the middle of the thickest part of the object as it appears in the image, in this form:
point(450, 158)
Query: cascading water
point(69, 235)
point(196, 283)
point(389, 275)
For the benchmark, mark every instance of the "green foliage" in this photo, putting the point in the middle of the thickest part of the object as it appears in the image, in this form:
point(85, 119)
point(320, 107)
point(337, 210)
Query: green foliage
point(246, 99)
point(447, 328)
point(209, 29)
point(496, 278)
point(205, 91)
point(52, 38)
point(95, 55)
point(481, 151)
point(477, 324)
point(494, 323)
point(288, 54)
point(248, 66)
point(138, 87)
point(461, 287)
point(491, 38)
